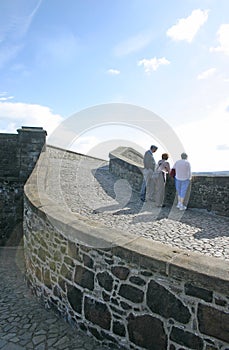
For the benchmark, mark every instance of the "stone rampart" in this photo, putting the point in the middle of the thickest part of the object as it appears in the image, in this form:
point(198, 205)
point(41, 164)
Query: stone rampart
point(209, 191)
point(122, 289)
point(18, 154)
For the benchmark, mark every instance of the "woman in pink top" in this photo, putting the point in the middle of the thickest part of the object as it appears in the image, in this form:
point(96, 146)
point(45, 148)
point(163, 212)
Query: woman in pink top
point(182, 179)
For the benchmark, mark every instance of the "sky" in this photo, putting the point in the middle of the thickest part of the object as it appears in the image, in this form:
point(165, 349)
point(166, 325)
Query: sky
point(58, 58)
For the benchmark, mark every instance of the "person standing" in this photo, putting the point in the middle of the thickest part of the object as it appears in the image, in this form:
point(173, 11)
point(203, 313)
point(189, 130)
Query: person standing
point(149, 168)
point(182, 179)
point(163, 168)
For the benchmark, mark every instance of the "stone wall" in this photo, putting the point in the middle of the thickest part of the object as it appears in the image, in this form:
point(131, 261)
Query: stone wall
point(133, 292)
point(18, 154)
point(209, 192)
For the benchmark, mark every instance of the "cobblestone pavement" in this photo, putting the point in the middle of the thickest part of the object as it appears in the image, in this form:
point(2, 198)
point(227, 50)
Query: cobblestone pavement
point(24, 321)
point(89, 189)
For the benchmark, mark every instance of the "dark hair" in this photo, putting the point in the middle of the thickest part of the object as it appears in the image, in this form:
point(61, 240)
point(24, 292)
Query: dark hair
point(165, 156)
point(153, 148)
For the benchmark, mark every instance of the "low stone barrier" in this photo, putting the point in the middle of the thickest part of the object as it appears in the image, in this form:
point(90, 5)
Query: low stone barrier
point(124, 290)
point(208, 191)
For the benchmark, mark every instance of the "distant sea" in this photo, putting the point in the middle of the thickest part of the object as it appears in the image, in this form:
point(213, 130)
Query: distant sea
point(212, 173)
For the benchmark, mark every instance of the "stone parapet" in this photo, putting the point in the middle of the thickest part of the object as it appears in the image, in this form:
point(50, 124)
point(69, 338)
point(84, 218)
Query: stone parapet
point(207, 191)
point(122, 289)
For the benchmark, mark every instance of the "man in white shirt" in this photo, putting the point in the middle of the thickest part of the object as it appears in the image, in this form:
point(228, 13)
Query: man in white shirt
point(182, 179)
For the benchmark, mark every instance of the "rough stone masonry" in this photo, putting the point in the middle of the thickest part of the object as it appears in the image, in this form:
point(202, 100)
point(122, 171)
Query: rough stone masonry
point(119, 286)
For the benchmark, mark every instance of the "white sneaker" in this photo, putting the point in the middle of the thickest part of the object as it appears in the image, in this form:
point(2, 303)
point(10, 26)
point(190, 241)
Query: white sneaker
point(178, 205)
point(182, 207)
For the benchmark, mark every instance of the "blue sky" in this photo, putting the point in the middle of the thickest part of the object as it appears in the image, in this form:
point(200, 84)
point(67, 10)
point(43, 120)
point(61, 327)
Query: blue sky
point(171, 57)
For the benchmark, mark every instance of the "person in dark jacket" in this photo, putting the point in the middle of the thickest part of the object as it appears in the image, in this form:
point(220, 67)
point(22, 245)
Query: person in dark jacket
point(149, 168)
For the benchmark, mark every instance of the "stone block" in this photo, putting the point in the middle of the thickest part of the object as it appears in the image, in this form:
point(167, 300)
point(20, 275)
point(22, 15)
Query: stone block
point(66, 272)
point(162, 302)
point(119, 328)
point(147, 332)
point(121, 272)
point(84, 277)
point(137, 280)
point(190, 340)
point(198, 292)
point(97, 313)
point(105, 280)
point(131, 293)
point(75, 298)
point(213, 322)
point(88, 261)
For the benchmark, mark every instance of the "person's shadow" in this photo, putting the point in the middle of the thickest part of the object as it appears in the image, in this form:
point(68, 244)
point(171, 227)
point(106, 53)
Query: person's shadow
point(124, 199)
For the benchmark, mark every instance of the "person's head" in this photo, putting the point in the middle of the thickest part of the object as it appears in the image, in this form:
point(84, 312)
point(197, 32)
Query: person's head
point(184, 155)
point(153, 148)
point(164, 156)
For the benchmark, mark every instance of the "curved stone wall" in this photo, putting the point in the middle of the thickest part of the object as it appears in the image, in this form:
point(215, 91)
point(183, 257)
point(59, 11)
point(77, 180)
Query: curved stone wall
point(124, 290)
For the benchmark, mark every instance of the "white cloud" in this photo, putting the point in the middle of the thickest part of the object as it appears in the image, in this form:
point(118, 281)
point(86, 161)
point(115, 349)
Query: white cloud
point(4, 97)
point(187, 28)
point(132, 44)
point(206, 140)
point(223, 38)
point(113, 71)
point(152, 64)
point(13, 115)
point(206, 74)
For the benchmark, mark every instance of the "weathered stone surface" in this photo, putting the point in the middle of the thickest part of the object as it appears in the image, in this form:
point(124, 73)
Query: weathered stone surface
point(213, 322)
point(137, 280)
point(87, 261)
point(84, 277)
point(61, 283)
point(147, 332)
point(220, 302)
point(97, 313)
point(164, 303)
point(190, 340)
point(120, 272)
point(42, 254)
point(66, 272)
point(75, 298)
point(119, 328)
point(38, 273)
point(125, 306)
point(198, 292)
point(106, 297)
point(127, 163)
point(210, 347)
point(47, 278)
point(105, 280)
point(73, 251)
point(68, 261)
point(131, 293)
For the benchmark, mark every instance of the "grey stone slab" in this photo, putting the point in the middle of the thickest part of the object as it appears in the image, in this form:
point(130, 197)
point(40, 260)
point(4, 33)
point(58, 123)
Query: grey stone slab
point(12, 346)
